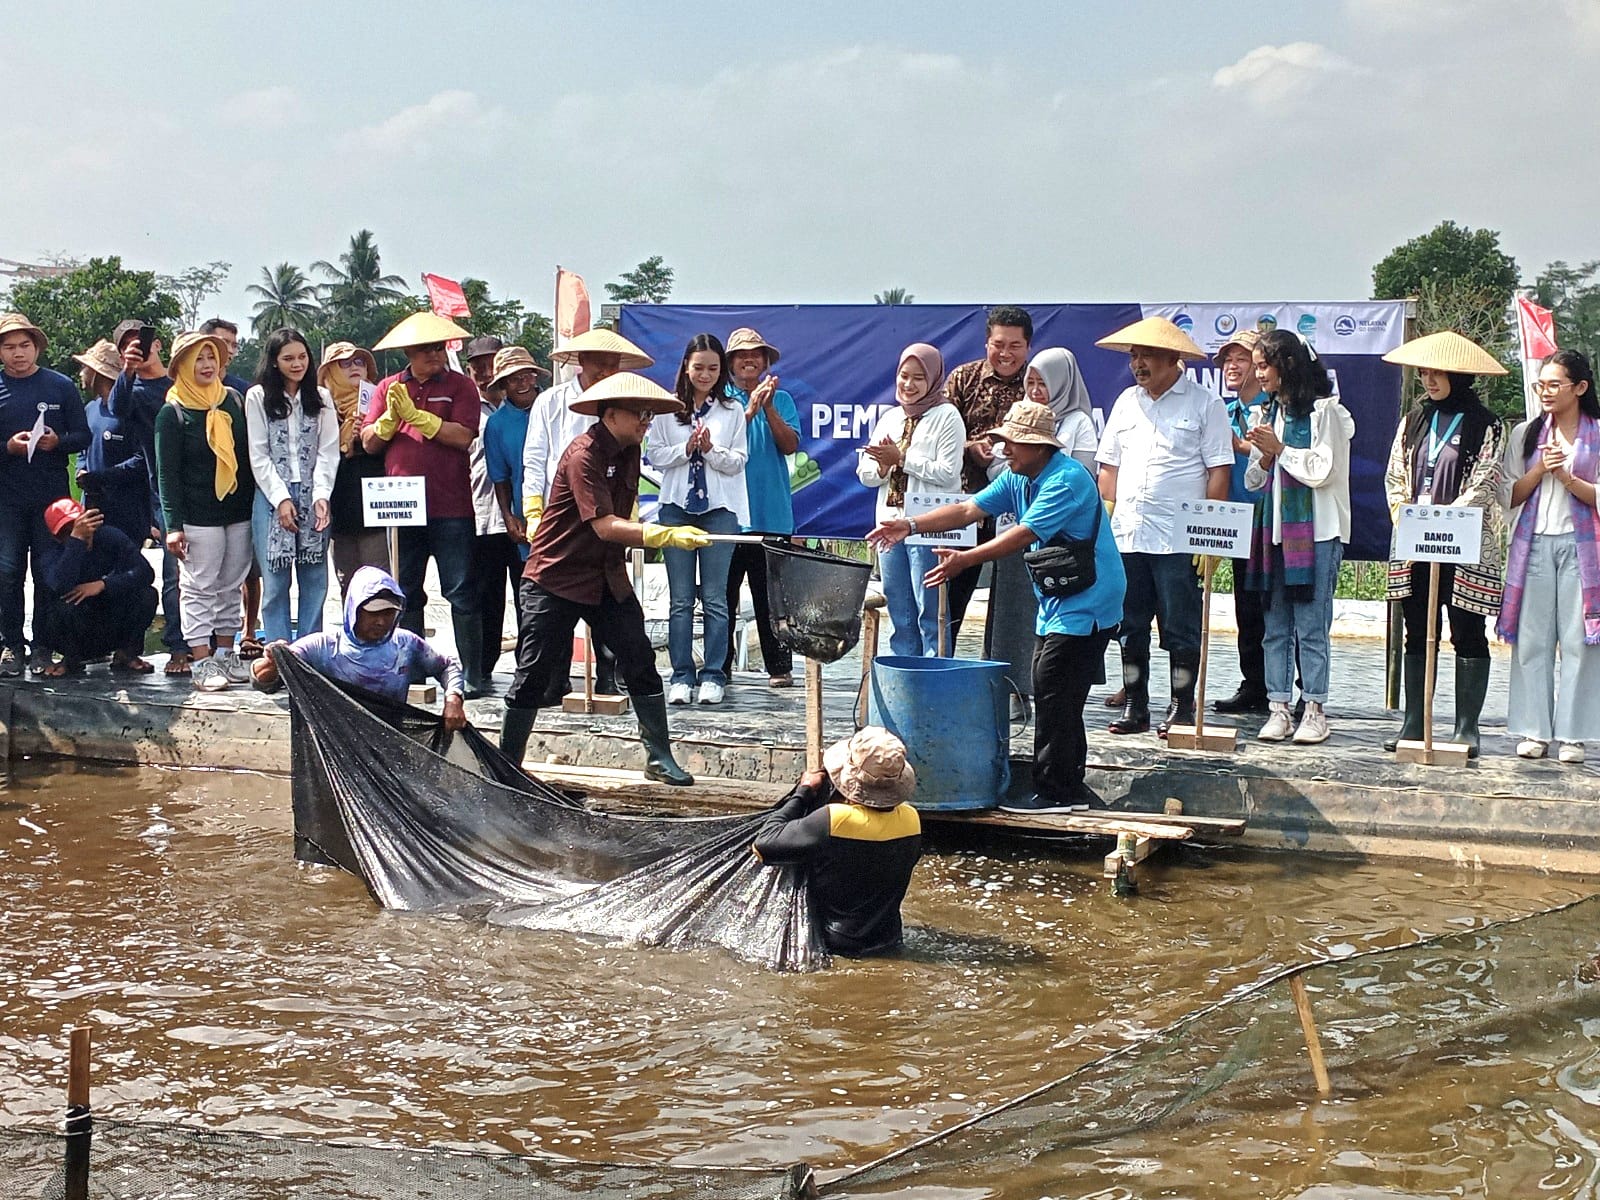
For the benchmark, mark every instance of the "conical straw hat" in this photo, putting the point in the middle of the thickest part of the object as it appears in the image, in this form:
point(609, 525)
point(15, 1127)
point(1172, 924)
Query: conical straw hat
point(1154, 333)
point(1446, 351)
point(604, 341)
point(422, 329)
point(626, 390)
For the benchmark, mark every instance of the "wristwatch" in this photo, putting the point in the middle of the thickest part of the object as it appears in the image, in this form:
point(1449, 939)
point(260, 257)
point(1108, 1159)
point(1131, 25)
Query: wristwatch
point(911, 522)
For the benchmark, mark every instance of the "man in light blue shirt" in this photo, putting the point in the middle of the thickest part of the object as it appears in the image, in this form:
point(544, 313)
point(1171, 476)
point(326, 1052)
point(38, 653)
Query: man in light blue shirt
point(771, 422)
point(1055, 501)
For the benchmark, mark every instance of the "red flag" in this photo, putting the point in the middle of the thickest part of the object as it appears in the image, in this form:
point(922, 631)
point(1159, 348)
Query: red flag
point(1536, 327)
point(445, 296)
point(572, 305)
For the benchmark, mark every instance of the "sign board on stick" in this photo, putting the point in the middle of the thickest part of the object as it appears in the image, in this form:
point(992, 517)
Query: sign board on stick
point(394, 500)
point(922, 505)
point(1439, 533)
point(1220, 528)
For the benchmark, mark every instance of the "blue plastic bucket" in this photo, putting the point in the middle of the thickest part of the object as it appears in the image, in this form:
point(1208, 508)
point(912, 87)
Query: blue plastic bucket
point(953, 714)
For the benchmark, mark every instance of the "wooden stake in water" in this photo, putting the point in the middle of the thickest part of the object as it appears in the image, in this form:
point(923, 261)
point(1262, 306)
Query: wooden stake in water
point(80, 1124)
point(1308, 1026)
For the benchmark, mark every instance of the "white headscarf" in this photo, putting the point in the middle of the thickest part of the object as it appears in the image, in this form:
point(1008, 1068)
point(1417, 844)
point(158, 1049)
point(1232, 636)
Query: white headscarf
point(1059, 370)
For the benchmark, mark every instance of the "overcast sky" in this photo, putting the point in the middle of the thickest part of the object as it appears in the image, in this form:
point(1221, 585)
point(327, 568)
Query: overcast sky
point(815, 152)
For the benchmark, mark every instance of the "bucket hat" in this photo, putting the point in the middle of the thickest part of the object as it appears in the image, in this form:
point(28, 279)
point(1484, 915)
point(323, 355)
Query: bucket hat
point(1246, 339)
point(101, 358)
point(1153, 333)
point(749, 339)
point(422, 329)
point(338, 352)
point(511, 360)
point(1446, 351)
point(626, 390)
point(604, 341)
point(185, 342)
point(1028, 423)
point(60, 513)
point(870, 769)
point(15, 322)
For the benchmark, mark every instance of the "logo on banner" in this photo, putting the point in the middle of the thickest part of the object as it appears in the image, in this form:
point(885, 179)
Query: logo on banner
point(1184, 322)
point(1226, 324)
point(1344, 325)
point(1307, 325)
point(1266, 322)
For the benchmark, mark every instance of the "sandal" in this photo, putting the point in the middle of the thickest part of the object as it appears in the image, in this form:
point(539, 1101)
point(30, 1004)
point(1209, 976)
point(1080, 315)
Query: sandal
point(59, 670)
point(122, 664)
point(42, 663)
point(178, 664)
point(250, 649)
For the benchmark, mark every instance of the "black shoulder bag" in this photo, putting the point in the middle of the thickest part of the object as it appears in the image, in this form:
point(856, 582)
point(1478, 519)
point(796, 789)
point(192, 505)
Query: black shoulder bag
point(1065, 568)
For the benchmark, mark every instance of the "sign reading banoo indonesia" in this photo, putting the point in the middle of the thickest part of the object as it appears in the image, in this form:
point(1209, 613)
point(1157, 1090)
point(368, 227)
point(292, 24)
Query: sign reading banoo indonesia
point(394, 500)
point(1220, 528)
point(1439, 533)
point(922, 505)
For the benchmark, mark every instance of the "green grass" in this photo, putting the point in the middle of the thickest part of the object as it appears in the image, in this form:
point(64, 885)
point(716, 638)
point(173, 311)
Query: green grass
point(1357, 581)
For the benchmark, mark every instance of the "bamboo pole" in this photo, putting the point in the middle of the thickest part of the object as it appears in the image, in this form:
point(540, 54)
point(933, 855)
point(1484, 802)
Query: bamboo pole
point(944, 620)
point(1308, 1026)
point(80, 1124)
point(1433, 661)
point(1207, 566)
point(813, 715)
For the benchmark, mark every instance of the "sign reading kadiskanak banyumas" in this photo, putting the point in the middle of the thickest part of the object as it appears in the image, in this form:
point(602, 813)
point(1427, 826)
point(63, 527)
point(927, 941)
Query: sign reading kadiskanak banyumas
point(1219, 528)
point(1439, 533)
point(394, 500)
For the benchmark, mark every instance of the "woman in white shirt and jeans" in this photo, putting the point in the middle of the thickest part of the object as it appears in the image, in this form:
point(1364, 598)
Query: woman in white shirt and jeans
point(701, 454)
point(915, 449)
point(294, 454)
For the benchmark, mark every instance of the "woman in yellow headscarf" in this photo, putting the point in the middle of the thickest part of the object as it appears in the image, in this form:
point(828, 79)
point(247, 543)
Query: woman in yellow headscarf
point(207, 491)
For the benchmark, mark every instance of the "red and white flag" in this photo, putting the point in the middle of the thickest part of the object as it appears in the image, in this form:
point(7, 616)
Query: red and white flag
point(1536, 341)
point(572, 306)
point(445, 296)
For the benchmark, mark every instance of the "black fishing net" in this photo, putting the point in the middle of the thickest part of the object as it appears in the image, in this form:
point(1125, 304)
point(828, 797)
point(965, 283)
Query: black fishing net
point(434, 822)
point(815, 599)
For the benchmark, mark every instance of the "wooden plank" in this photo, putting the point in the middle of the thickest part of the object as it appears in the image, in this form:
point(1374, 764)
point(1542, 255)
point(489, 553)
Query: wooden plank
point(598, 704)
point(1213, 739)
point(1143, 847)
point(1104, 824)
point(422, 693)
point(1439, 754)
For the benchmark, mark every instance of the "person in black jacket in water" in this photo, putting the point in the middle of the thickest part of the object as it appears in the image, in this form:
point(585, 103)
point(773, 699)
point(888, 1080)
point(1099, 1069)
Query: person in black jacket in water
point(853, 827)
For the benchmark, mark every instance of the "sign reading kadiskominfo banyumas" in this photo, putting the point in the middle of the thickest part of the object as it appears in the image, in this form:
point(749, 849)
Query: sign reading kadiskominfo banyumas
point(394, 500)
point(918, 505)
point(1439, 533)
point(1220, 528)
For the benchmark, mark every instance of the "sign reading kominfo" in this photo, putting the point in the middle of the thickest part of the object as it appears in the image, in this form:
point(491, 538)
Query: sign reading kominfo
point(397, 500)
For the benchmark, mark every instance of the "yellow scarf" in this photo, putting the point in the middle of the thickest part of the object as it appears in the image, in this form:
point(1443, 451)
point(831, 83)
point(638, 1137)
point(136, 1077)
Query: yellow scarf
point(346, 395)
point(219, 426)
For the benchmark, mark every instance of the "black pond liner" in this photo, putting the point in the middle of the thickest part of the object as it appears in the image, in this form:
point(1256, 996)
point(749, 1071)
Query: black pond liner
point(815, 599)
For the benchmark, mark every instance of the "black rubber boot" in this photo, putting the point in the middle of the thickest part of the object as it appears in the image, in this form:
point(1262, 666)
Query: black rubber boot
point(1180, 710)
point(1472, 685)
point(659, 765)
point(1135, 716)
point(1412, 678)
point(515, 729)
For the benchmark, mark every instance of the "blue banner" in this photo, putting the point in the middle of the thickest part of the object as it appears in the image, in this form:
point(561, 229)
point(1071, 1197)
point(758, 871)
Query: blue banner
point(838, 362)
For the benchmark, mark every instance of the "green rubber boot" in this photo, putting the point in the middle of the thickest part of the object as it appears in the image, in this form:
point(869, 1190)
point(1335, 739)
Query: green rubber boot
point(1414, 680)
point(659, 763)
point(515, 729)
point(1472, 685)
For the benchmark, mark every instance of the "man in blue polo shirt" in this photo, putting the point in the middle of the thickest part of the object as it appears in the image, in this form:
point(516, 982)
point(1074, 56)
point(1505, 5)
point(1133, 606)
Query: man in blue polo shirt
point(1054, 500)
point(504, 434)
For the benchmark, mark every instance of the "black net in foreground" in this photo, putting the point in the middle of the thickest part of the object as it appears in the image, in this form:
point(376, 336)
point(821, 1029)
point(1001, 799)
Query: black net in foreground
point(442, 823)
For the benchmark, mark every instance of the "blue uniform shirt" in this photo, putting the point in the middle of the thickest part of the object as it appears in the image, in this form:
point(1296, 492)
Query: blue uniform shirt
point(114, 473)
point(1239, 418)
point(766, 472)
point(1064, 500)
point(34, 483)
point(503, 435)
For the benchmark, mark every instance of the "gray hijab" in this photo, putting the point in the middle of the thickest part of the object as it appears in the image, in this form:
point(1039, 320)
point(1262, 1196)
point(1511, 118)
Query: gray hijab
point(1059, 370)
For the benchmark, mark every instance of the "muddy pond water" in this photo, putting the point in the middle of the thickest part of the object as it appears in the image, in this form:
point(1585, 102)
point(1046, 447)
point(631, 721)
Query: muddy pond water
point(232, 988)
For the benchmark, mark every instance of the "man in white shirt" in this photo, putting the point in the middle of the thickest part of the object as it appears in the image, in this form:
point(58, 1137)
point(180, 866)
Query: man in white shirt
point(553, 426)
point(1167, 440)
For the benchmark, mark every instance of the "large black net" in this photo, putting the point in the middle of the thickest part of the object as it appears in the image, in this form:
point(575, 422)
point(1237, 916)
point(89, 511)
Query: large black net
point(442, 823)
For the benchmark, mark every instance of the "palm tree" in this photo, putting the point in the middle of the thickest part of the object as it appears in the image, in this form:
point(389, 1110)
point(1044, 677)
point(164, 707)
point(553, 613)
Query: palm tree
point(893, 296)
point(361, 284)
point(288, 299)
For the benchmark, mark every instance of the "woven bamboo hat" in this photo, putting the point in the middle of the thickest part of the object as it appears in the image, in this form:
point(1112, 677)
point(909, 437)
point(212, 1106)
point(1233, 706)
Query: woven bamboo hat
point(101, 358)
point(15, 322)
point(870, 769)
point(1446, 351)
point(626, 390)
point(509, 361)
point(422, 329)
point(186, 343)
point(1153, 333)
point(604, 341)
point(338, 352)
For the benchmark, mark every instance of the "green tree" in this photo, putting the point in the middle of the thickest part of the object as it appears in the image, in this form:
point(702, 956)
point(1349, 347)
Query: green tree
point(893, 296)
point(287, 300)
point(648, 283)
point(1573, 295)
point(358, 283)
point(193, 287)
point(77, 309)
point(507, 320)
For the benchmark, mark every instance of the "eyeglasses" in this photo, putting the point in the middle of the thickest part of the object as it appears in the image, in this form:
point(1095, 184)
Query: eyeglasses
point(1549, 387)
point(431, 348)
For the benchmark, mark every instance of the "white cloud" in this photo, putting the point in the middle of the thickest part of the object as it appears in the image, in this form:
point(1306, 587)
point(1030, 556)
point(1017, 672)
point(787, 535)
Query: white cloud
point(1271, 75)
point(451, 122)
point(263, 108)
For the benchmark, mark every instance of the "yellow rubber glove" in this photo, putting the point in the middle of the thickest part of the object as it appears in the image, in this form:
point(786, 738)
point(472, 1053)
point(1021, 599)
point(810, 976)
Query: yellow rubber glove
point(675, 537)
point(398, 401)
point(424, 422)
point(532, 510)
point(387, 425)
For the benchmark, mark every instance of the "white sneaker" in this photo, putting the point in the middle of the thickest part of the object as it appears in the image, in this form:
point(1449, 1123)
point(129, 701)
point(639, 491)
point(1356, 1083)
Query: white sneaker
point(680, 693)
point(1279, 725)
point(1313, 726)
point(711, 693)
point(1570, 752)
point(209, 676)
point(1534, 748)
point(234, 667)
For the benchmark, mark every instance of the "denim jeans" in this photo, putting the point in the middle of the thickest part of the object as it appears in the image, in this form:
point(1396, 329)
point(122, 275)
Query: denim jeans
point(22, 535)
point(1163, 588)
point(311, 577)
point(171, 598)
point(448, 541)
point(1302, 627)
point(712, 567)
point(913, 609)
